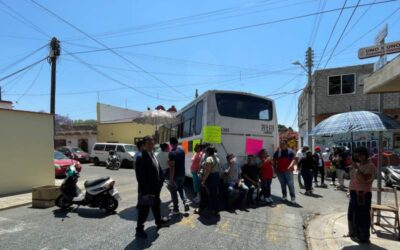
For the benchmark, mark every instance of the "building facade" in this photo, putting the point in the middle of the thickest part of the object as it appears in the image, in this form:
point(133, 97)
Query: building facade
point(339, 90)
point(115, 124)
point(81, 136)
point(123, 132)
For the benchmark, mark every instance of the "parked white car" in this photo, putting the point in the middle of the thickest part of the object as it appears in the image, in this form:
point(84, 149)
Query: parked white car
point(126, 153)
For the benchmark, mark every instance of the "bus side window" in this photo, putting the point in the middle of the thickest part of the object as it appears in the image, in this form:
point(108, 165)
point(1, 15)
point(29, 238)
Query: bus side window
point(199, 118)
point(188, 121)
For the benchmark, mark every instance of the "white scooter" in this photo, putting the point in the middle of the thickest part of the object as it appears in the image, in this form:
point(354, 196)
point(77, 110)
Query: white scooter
point(99, 193)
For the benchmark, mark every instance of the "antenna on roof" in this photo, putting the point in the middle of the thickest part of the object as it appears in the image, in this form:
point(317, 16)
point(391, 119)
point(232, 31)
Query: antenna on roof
point(197, 93)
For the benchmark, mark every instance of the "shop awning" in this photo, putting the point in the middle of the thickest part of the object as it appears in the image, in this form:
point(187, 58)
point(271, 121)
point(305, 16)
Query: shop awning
point(384, 80)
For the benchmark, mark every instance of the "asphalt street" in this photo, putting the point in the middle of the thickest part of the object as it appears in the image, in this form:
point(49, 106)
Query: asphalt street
point(266, 227)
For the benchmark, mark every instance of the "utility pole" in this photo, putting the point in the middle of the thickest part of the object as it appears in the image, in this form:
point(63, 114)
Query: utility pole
point(54, 53)
point(309, 90)
point(0, 93)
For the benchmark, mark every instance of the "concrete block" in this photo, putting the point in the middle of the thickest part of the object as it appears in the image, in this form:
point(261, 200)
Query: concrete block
point(48, 193)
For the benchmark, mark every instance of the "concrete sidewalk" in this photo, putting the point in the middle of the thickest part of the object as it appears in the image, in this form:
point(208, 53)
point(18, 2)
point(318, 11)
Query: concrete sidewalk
point(327, 231)
point(23, 199)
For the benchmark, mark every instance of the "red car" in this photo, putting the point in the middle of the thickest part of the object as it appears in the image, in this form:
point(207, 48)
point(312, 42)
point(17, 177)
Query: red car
point(75, 153)
point(61, 164)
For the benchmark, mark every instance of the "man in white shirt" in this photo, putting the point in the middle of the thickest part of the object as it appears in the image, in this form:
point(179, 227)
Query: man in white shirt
point(162, 158)
point(301, 153)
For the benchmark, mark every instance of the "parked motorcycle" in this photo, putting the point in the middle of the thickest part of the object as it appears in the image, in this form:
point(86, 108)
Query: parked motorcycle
point(113, 161)
point(98, 193)
point(391, 175)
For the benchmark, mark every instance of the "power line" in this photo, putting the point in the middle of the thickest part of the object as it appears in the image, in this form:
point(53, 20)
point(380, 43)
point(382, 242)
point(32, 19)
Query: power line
point(217, 19)
point(118, 81)
point(220, 83)
point(16, 80)
point(22, 19)
point(358, 20)
point(168, 60)
point(23, 58)
point(279, 71)
point(341, 35)
point(232, 29)
point(317, 23)
point(32, 83)
point(23, 69)
point(333, 30)
point(191, 18)
point(368, 32)
point(110, 49)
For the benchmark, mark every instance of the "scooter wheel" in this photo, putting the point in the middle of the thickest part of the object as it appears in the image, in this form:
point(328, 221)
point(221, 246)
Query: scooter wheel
point(111, 204)
point(62, 202)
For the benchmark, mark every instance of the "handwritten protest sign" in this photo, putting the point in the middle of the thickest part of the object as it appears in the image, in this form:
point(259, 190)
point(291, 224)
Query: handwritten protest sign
point(212, 134)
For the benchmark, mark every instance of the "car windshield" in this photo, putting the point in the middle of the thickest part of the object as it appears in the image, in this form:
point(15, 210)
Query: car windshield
point(59, 156)
point(130, 148)
point(76, 150)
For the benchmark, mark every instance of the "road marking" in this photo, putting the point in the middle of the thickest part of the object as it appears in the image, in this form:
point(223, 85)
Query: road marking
point(188, 222)
point(225, 228)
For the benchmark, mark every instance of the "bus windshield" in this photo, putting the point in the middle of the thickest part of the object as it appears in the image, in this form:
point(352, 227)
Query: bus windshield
point(244, 106)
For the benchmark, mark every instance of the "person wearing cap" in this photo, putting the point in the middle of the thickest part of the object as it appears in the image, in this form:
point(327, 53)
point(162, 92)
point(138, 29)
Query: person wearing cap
point(320, 167)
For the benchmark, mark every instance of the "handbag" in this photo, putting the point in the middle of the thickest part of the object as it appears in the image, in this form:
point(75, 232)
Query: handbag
point(146, 201)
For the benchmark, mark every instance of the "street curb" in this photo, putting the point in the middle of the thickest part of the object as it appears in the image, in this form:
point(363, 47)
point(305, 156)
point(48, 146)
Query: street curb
point(306, 229)
point(15, 206)
point(80, 185)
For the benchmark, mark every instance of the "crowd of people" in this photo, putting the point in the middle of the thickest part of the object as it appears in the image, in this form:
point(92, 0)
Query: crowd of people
point(230, 186)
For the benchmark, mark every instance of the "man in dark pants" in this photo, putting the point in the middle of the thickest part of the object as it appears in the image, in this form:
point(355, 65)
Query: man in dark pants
point(150, 180)
point(320, 166)
point(300, 155)
point(177, 175)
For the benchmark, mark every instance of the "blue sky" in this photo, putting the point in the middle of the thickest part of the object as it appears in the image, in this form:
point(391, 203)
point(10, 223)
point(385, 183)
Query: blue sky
point(257, 60)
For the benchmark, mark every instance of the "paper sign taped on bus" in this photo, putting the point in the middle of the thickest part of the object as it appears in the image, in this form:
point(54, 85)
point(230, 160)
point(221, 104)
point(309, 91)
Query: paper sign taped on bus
point(253, 146)
point(185, 146)
point(196, 142)
point(212, 134)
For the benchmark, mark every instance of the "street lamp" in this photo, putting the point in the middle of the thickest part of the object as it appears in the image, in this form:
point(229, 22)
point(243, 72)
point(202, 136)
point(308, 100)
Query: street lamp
point(300, 64)
point(308, 89)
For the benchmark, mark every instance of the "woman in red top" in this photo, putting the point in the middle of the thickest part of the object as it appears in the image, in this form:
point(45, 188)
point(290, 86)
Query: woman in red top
point(267, 174)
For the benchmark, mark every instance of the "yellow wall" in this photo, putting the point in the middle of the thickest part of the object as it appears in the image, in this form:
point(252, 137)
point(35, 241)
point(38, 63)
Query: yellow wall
point(26, 151)
point(124, 132)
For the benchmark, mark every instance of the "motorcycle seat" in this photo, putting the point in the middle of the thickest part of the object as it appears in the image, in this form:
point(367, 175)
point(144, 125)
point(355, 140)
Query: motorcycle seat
point(96, 182)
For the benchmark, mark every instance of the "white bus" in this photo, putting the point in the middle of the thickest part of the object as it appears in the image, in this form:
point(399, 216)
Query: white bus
point(240, 115)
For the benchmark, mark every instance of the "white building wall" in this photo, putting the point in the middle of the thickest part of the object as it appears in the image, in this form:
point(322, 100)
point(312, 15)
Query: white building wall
point(111, 114)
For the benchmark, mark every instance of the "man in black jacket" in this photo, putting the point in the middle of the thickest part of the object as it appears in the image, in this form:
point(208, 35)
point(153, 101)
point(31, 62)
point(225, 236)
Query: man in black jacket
point(150, 180)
